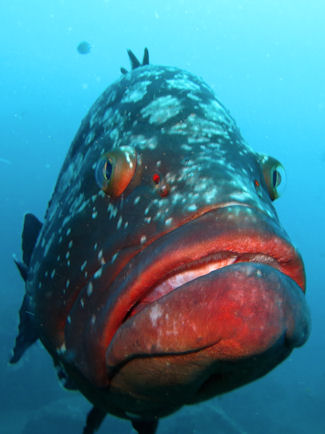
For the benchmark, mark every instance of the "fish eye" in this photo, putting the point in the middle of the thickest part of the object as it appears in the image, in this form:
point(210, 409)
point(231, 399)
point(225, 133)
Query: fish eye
point(115, 170)
point(274, 175)
point(107, 169)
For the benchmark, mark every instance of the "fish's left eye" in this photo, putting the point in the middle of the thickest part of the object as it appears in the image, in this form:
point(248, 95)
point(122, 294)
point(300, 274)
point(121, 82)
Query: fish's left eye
point(274, 175)
point(115, 170)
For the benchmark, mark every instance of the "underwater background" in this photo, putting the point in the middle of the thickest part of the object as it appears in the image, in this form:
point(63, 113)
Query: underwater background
point(265, 61)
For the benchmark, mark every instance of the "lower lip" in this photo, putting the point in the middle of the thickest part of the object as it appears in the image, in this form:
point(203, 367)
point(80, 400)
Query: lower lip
point(193, 271)
point(237, 311)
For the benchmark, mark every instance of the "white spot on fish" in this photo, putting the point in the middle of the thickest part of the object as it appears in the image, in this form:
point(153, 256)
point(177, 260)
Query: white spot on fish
point(136, 92)
point(62, 349)
point(114, 257)
point(98, 273)
point(90, 289)
point(192, 207)
point(48, 244)
point(94, 213)
point(161, 109)
point(155, 314)
point(112, 210)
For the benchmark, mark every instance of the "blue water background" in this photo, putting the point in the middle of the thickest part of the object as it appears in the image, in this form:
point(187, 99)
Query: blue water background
point(265, 60)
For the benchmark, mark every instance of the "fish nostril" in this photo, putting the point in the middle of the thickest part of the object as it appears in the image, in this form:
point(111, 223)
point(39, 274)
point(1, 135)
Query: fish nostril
point(161, 185)
point(164, 190)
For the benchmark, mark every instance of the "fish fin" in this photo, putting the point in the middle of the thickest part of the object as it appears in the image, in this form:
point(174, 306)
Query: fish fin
point(135, 63)
point(27, 332)
point(94, 420)
point(31, 229)
point(145, 59)
point(23, 268)
point(134, 60)
point(145, 426)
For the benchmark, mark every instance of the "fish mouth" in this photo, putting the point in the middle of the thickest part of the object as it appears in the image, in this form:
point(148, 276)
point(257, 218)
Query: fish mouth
point(220, 242)
point(225, 286)
point(193, 270)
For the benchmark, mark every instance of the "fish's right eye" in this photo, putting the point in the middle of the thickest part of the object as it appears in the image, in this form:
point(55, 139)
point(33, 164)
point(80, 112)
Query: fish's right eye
point(115, 170)
point(274, 175)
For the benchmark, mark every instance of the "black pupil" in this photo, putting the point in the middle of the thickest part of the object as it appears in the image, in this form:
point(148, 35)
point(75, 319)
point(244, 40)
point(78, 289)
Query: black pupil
point(276, 178)
point(107, 170)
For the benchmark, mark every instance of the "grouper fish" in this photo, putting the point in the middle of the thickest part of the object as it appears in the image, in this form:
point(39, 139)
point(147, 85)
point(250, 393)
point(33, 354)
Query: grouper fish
point(161, 275)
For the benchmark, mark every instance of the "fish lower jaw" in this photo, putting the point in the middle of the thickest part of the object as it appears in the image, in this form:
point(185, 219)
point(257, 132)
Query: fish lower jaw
point(194, 270)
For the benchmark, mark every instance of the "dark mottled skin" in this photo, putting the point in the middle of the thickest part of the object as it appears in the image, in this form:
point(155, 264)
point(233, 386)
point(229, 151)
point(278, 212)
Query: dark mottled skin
point(179, 288)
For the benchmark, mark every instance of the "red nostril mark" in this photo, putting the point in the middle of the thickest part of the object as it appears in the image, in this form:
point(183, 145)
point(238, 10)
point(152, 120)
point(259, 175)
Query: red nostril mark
point(164, 190)
point(156, 178)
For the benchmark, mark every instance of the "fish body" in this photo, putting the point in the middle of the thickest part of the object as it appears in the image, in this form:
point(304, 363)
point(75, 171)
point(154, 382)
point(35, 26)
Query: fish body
point(161, 275)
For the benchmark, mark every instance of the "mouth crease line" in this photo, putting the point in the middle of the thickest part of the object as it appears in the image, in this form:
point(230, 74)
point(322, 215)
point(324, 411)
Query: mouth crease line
point(112, 371)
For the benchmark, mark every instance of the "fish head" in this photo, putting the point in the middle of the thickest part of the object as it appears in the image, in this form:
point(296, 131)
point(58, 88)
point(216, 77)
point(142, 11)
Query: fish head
point(173, 278)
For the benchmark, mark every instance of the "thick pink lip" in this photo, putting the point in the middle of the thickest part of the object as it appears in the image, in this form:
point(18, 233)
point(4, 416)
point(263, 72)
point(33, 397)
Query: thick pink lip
point(209, 239)
point(234, 231)
point(234, 312)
